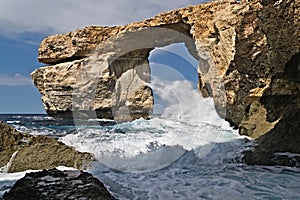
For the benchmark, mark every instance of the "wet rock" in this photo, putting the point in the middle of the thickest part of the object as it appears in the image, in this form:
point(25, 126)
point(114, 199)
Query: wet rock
point(22, 151)
point(55, 184)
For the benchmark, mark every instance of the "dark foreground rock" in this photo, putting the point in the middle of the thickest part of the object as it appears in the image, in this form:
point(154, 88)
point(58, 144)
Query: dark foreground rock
point(22, 151)
point(54, 184)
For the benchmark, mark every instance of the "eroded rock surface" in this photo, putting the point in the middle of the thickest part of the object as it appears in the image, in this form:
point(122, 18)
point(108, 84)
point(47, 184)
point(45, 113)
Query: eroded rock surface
point(22, 151)
point(96, 87)
point(280, 146)
point(248, 56)
point(54, 184)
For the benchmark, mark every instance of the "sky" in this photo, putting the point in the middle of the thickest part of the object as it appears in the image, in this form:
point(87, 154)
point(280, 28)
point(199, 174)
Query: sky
point(24, 24)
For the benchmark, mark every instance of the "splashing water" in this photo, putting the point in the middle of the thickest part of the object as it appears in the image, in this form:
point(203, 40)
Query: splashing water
point(207, 167)
point(188, 122)
point(187, 152)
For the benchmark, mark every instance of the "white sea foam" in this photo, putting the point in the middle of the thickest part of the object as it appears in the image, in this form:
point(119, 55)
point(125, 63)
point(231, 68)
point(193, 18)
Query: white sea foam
point(216, 176)
point(188, 122)
point(188, 152)
point(5, 168)
point(13, 122)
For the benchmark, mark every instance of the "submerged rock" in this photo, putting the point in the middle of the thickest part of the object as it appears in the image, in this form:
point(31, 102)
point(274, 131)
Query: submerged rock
point(55, 184)
point(248, 54)
point(22, 151)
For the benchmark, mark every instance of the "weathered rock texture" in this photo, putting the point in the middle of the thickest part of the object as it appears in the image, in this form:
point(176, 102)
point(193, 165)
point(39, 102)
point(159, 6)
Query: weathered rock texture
point(280, 146)
point(248, 56)
point(22, 151)
point(55, 184)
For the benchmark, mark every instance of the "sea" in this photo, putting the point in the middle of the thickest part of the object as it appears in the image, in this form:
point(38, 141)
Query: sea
point(185, 151)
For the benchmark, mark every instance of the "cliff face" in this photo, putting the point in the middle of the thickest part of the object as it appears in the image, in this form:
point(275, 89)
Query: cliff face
point(248, 56)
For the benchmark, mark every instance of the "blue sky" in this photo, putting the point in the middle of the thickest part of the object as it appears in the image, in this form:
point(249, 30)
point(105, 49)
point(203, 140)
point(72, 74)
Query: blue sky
point(24, 24)
point(18, 60)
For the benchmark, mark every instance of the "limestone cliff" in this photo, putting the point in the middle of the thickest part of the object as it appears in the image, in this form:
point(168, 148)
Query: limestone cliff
point(248, 54)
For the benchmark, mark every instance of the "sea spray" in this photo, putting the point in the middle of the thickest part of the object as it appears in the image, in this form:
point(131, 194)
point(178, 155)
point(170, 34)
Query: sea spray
point(218, 175)
point(5, 168)
point(187, 122)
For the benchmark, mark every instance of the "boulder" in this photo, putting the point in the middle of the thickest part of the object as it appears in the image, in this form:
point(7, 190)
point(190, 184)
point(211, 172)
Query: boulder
point(55, 184)
point(22, 151)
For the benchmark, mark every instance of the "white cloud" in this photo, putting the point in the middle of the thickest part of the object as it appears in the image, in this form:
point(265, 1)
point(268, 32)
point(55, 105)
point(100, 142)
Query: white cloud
point(14, 80)
point(57, 16)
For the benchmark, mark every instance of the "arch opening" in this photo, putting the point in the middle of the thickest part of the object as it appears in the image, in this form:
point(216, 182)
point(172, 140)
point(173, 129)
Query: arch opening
point(170, 64)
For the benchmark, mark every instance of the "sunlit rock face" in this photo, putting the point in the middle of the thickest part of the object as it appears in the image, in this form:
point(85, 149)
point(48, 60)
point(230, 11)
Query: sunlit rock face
point(248, 54)
point(95, 88)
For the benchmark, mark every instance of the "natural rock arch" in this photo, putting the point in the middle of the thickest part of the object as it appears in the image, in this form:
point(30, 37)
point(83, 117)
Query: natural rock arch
point(242, 47)
point(111, 82)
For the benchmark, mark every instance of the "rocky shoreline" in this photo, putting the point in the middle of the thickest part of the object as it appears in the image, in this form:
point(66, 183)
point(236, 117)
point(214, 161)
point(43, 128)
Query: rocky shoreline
point(22, 151)
point(248, 54)
point(249, 62)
